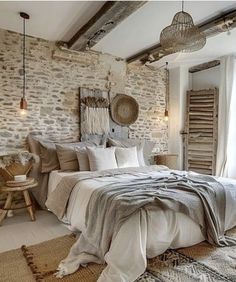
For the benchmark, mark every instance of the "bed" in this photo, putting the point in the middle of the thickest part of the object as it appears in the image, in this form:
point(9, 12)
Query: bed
point(147, 232)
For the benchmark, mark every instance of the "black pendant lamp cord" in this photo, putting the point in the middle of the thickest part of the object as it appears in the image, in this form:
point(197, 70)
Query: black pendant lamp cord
point(23, 103)
point(24, 74)
point(182, 5)
point(167, 87)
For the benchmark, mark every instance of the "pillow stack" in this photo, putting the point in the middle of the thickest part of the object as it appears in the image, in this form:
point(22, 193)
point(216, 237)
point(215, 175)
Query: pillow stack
point(144, 147)
point(96, 158)
point(69, 156)
point(63, 156)
point(86, 156)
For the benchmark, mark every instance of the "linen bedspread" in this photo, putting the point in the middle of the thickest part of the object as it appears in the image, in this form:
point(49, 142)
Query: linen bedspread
point(202, 198)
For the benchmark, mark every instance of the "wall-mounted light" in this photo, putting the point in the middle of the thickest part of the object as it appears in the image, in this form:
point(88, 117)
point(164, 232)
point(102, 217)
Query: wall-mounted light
point(23, 102)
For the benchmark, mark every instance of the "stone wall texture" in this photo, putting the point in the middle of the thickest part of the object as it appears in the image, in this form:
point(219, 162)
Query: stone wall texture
point(53, 80)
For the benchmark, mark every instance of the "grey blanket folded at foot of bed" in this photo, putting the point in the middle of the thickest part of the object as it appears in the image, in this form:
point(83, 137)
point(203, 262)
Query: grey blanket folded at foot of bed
point(200, 197)
point(203, 201)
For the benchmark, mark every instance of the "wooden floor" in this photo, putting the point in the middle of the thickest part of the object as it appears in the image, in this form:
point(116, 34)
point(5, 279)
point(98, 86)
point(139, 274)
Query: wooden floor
point(20, 230)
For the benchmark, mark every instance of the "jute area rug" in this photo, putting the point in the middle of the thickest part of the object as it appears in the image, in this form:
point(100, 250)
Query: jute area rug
point(201, 262)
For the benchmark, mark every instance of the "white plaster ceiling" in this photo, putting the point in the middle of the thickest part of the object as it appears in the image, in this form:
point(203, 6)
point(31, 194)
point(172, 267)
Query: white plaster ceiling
point(51, 20)
point(142, 29)
point(59, 20)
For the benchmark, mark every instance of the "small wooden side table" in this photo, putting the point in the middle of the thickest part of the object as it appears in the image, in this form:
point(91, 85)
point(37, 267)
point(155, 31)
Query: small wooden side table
point(9, 200)
point(169, 160)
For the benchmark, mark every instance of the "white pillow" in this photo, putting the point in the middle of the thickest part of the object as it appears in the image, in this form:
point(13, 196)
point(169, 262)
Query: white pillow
point(101, 158)
point(127, 157)
point(83, 159)
point(144, 148)
point(140, 154)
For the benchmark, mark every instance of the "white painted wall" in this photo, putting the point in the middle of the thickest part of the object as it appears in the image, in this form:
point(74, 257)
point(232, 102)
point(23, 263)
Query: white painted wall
point(206, 79)
point(180, 82)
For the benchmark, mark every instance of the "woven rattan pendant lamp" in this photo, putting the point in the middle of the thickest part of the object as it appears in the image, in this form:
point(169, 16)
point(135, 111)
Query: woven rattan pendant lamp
point(182, 35)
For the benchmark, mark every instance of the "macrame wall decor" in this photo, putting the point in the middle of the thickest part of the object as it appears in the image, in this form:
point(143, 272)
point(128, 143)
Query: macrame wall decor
point(96, 115)
point(95, 120)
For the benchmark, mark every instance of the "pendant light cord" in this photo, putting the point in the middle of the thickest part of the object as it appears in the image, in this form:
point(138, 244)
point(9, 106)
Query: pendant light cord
point(167, 87)
point(182, 5)
point(24, 74)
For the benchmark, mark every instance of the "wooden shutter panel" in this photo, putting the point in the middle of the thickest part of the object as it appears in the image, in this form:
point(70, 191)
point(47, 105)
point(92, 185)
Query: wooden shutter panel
point(201, 128)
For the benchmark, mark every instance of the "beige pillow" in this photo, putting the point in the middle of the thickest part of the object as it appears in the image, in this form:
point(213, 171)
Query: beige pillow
point(33, 142)
point(83, 159)
point(127, 157)
point(48, 155)
point(101, 158)
point(67, 157)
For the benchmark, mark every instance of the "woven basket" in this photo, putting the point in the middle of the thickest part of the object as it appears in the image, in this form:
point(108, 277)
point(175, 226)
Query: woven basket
point(13, 169)
point(124, 109)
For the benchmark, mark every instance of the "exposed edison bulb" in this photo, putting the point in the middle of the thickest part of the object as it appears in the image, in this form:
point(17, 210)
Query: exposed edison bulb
point(23, 112)
point(23, 106)
point(166, 116)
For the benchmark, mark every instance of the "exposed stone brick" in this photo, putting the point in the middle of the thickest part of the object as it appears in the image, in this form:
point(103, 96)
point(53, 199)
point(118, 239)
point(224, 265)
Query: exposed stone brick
point(53, 81)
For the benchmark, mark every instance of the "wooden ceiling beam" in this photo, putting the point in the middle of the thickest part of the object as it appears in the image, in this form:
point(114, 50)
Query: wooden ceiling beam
point(106, 19)
point(211, 27)
point(204, 66)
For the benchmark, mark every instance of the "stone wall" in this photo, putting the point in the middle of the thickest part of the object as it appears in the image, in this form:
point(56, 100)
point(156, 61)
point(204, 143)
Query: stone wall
point(149, 88)
point(52, 91)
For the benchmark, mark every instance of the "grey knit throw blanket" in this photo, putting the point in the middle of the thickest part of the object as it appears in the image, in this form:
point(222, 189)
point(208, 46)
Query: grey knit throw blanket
point(200, 197)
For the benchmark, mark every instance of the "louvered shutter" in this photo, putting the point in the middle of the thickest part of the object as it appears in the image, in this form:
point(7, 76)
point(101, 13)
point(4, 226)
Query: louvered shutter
point(201, 131)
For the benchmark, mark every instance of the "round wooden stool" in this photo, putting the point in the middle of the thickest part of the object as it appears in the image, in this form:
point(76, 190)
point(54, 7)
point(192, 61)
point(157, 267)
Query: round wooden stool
point(18, 188)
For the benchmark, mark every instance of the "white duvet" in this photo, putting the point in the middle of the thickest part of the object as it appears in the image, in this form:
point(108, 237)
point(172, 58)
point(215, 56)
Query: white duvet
point(147, 233)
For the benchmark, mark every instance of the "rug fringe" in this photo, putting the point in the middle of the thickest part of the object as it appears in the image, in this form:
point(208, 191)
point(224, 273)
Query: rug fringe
point(39, 277)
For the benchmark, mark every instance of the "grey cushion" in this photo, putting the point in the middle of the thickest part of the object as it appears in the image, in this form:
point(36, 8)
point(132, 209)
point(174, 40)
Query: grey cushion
point(48, 155)
point(67, 155)
point(83, 159)
point(82, 156)
point(33, 142)
point(40, 193)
